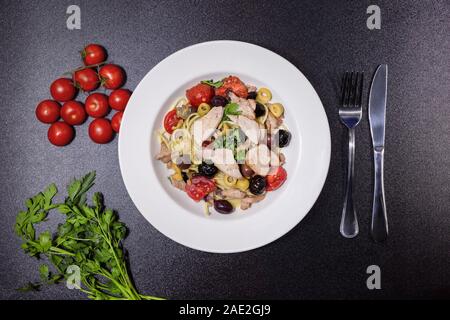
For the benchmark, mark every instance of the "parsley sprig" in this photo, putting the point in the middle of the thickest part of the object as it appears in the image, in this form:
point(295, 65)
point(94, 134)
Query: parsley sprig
point(91, 238)
point(230, 109)
point(216, 84)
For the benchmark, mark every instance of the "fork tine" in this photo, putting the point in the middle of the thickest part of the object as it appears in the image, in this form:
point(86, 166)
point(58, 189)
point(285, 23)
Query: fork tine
point(348, 90)
point(361, 83)
point(343, 87)
point(354, 90)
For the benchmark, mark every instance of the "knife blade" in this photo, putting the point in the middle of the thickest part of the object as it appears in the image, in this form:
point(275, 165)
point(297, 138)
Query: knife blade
point(377, 120)
point(377, 105)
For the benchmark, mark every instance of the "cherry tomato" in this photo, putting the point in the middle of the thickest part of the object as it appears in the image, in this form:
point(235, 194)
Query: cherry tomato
point(96, 105)
point(73, 112)
point(118, 99)
point(100, 131)
point(199, 187)
point(60, 133)
point(112, 76)
point(200, 93)
point(274, 181)
point(62, 89)
point(171, 120)
point(234, 84)
point(93, 54)
point(86, 79)
point(116, 120)
point(48, 111)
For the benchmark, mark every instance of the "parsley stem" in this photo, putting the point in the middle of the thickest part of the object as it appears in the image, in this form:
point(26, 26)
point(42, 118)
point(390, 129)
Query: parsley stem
point(61, 251)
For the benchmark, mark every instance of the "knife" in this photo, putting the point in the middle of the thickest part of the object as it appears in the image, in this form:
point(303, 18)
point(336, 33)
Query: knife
point(377, 119)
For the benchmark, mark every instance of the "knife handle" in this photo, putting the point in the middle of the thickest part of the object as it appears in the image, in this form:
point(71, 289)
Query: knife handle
point(379, 227)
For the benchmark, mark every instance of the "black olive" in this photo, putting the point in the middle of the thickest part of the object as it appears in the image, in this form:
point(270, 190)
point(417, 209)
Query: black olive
point(219, 101)
point(207, 169)
point(251, 95)
point(259, 110)
point(283, 138)
point(185, 176)
point(257, 185)
point(246, 171)
point(183, 162)
point(184, 166)
point(223, 206)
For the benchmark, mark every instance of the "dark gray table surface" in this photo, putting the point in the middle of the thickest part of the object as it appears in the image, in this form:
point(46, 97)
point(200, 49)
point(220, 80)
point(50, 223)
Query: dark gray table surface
point(323, 39)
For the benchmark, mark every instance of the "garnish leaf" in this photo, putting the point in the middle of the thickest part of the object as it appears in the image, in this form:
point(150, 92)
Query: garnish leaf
point(30, 286)
point(213, 84)
point(230, 109)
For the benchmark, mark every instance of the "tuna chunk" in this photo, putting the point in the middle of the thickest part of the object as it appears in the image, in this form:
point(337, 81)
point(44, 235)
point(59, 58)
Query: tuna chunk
point(249, 127)
point(205, 127)
point(246, 107)
point(224, 160)
point(164, 153)
point(260, 159)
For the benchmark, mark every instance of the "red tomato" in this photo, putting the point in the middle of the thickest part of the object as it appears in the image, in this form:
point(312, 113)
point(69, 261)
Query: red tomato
point(73, 112)
point(96, 105)
point(118, 99)
point(48, 111)
point(199, 94)
point(62, 89)
point(234, 84)
point(199, 187)
point(93, 54)
point(171, 120)
point(112, 76)
point(100, 131)
point(60, 133)
point(86, 79)
point(116, 121)
point(274, 181)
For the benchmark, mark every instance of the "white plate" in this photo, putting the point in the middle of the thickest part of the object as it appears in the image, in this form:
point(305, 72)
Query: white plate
point(170, 210)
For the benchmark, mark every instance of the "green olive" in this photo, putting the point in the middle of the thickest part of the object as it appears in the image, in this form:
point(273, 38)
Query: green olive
point(263, 95)
point(276, 109)
point(229, 181)
point(203, 109)
point(242, 184)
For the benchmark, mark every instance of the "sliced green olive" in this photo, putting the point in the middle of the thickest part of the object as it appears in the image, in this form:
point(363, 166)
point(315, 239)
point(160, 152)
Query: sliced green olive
point(263, 95)
point(242, 184)
point(230, 181)
point(276, 109)
point(203, 109)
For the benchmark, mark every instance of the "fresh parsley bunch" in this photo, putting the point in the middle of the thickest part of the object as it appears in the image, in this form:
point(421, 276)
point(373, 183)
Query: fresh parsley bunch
point(90, 238)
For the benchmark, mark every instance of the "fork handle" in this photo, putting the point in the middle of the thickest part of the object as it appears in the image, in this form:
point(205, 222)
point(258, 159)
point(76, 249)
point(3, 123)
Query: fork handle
point(379, 227)
point(349, 222)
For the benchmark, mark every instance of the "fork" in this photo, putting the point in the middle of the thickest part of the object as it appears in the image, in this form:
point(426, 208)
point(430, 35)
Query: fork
point(350, 113)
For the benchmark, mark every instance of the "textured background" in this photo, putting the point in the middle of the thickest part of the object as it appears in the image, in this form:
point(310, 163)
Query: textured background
point(322, 38)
